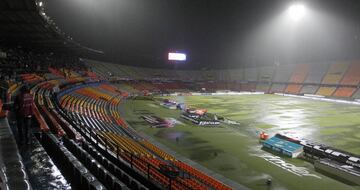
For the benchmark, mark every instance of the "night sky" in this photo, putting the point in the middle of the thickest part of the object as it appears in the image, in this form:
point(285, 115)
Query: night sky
point(214, 33)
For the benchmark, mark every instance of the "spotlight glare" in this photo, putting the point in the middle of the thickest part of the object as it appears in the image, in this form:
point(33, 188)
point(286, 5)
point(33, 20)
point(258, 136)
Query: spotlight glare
point(296, 12)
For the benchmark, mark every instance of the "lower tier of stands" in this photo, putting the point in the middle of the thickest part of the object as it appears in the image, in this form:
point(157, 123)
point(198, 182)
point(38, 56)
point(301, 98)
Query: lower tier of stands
point(277, 88)
point(326, 91)
point(263, 87)
point(357, 94)
point(93, 109)
point(293, 89)
point(309, 89)
point(344, 92)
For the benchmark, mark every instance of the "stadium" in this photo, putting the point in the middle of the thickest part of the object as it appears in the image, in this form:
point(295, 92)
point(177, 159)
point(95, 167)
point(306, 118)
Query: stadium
point(182, 94)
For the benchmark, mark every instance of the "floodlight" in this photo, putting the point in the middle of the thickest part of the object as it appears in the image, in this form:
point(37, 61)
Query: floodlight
point(296, 12)
point(172, 56)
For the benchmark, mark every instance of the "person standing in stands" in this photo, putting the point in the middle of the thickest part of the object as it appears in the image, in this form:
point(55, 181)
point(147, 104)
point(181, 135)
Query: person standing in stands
point(24, 105)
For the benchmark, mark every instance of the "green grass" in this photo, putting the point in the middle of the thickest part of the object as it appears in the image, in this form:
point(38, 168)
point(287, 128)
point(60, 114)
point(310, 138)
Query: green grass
point(236, 146)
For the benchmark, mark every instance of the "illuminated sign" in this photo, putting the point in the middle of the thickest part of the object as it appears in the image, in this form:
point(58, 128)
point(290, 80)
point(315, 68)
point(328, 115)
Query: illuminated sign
point(177, 57)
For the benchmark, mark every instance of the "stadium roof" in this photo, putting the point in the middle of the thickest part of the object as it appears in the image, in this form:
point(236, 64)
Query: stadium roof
point(23, 22)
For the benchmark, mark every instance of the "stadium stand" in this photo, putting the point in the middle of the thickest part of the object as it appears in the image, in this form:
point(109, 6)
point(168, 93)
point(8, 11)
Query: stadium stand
point(293, 89)
point(283, 73)
point(223, 75)
point(277, 88)
point(297, 77)
point(235, 75)
point(263, 87)
point(249, 86)
point(121, 71)
point(335, 73)
point(81, 177)
point(250, 74)
point(266, 74)
point(316, 73)
point(309, 89)
point(98, 68)
point(183, 75)
point(344, 92)
point(326, 91)
point(265, 78)
point(206, 75)
point(300, 73)
point(352, 76)
point(356, 94)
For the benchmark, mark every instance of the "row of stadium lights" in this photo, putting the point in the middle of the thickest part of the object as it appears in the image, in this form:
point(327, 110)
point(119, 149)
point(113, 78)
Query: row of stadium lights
point(40, 4)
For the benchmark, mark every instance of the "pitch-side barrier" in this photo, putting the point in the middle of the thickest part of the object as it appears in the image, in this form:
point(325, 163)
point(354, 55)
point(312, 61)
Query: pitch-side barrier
point(212, 94)
point(321, 98)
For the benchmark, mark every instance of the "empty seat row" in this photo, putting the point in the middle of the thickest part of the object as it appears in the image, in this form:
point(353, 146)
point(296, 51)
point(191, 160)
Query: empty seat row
point(335, 73)
point(126, 144)
point(104, 176)
point(344, 92)
point(262, 87)
point(326, 91)
point(293, 88)
point(277, 88)
point(79, 176)
point(202, 177)
point(352, 76)
point(112, 168)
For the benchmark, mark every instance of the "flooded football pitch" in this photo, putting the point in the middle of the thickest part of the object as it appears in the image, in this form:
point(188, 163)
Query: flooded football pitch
point(234, 150)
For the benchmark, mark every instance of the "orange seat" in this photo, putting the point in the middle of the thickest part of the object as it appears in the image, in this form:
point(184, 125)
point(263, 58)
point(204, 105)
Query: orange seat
point(300, 73)
point(352, 76)
point(344, 92)
point(293, 88)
